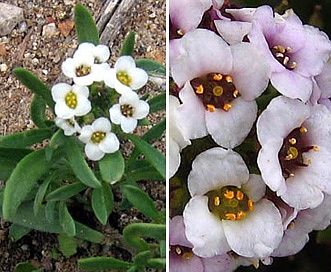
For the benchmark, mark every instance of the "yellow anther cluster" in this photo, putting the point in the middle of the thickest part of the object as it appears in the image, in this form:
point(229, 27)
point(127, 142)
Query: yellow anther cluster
point(199, 90)
point(127, 110)
point(71, 100)
point(98, 136)
point(124, 78)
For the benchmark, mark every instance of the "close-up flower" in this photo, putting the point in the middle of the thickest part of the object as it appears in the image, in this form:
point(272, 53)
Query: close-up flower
point(71, 100)
point(227, 210)
point(219, 89)
point(295, 154)
point(285, 41)
point(69, 126)
point(87, 64)
point(128, 111)
point(99, 139)
point(125, 76)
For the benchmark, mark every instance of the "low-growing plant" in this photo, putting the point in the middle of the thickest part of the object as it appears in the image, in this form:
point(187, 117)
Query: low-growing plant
point(48, 169)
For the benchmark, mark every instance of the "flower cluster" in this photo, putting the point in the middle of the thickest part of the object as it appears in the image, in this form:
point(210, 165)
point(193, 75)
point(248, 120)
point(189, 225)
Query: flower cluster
point(250, 89)
point(95, 82)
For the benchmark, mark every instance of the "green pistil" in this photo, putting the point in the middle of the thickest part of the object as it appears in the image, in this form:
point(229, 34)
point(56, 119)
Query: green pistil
point(229, 203)
point(98, 136)
point(124, 78)
point(71, 100)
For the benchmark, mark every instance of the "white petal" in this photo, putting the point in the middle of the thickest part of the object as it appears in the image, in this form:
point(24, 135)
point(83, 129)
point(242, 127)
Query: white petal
point(101, 53)
point(63, 111)
point(121, 88)
point(130, 98)
point(128, 124)
point(203, 229)
point(84, 80)
point(98, 71)
point(230, 128)
point(83, 106)
point(280, 118)
point(115, 114)
point(85, 134)
point(69, 68)
point(255, 187)
point(174, 157)
point(191, 114)
point(110, 143)
point(124, 63)
point(142, 110)
point(83, 57)
point(93, 152)
point(101, 124)
point(60, 90)
point(86, 46)
point(206, 176)
point(258, 234)
point(232, 31)
point(139, 78)
point(81, 90)
point(269, 166)
point(110, 77)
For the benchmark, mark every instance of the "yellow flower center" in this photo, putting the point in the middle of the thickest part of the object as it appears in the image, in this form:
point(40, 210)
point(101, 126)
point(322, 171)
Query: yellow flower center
point(83, 70)
point(124, 78)
point(283, 55)
point(97, 137)
point(127, 110)
point(71, 100)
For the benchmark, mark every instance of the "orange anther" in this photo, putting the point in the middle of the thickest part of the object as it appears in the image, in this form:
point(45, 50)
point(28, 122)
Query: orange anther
point(187, 255)
point(228, 79)
point(250, 204)
point(217, 201)
point(303, 129)
point(292, 141)
point(199, 89)
point(178, 250)
point(231, 216)
point(217, 77)
point(240, 195)
point(235, 93)
point(211, 108)
point(226, 107)
point(229, 194)
point(241, 215)
point(315, 148)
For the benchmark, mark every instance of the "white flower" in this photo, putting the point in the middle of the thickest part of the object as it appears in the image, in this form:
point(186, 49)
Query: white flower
point(70, 100)
point(227, 210)
point(99, 139)
point(125, 76)
point(129, 110)
point(100, 52)
point(69, 126)
point(85, 67)
point(177, 135)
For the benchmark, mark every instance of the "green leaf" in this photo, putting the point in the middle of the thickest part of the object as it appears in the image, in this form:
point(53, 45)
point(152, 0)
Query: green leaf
point(102, 202)
point(51, 212)
point(141, 201)
point(85, 233)
point(103, 263)
point(14, 154)
point(157, 263)
point(66, 221)
point(67, 245)
point(41, 193)
point(142, 258)
point(142, 170)
point(85, 26)
point(78, 164)
point(35, 85)
point(112, 167)
point(134, 233)
point(65, 192)
point(26, 138)
point(152, 67)
point(37, 111)
point(26, 267)
point(16, 232)
point(128, 45)
point(6, 168)
point(155, 157)
point(24, 177)
point(157, 103)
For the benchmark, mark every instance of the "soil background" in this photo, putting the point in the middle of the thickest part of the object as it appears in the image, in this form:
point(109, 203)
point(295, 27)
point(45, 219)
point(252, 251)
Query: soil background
point(30, 46)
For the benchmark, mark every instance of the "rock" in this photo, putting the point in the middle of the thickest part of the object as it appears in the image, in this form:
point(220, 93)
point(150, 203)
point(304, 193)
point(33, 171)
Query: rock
point(49, 30)
point(66, 27)
point(3, 67)
point(3, 50)
point(10, 16)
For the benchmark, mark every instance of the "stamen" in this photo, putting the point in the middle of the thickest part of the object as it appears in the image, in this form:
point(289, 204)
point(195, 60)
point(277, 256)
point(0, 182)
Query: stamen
point(218, 77)
point(235, 93)
point(303, 129)
point(286, 60)
point(178, 250)
point(127, 110)
point(180, 32)
point(292, 153)
point(226, 107)
point(231, 216)
point(211, 108)
point(217, 201)
point(199, 89)
point(187, 255)
point(315, 148)
point(83, 70)
point(229, 194)
point(71, 100)
point(97, 137)
point(292, 141)
point(228, 79)
point(124, 78)
point(240, 195)
point(250, 204)
point(241, 215)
